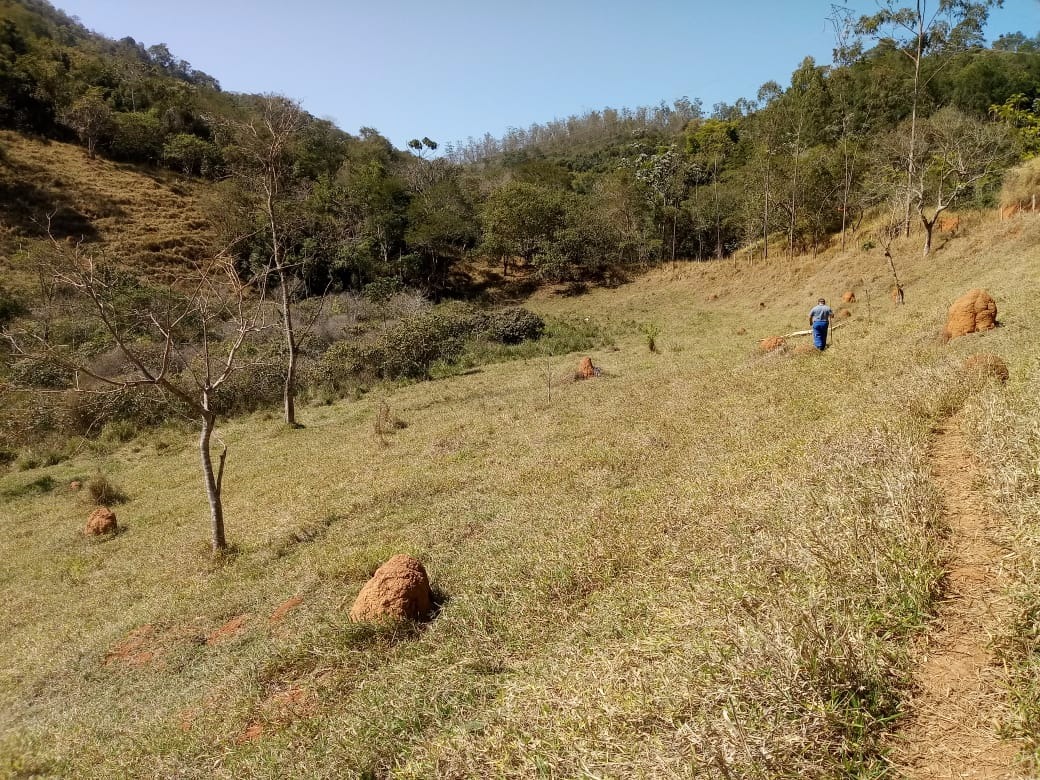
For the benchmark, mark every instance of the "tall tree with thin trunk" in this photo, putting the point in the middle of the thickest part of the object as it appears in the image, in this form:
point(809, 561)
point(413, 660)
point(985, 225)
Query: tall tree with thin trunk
point(923, 29)
point(261, 155)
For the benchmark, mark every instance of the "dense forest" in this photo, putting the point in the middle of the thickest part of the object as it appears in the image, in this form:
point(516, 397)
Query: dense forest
point(923, 117)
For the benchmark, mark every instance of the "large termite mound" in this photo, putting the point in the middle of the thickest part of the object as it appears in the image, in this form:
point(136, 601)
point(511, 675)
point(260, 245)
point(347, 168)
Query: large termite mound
point(972, 312)
point(585, 369)
point(988, 365)
point(399, 590)
point(101, 521)
point(772, 344)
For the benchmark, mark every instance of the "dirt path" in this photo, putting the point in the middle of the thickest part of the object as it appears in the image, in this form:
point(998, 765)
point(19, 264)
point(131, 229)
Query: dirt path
point(951, 732)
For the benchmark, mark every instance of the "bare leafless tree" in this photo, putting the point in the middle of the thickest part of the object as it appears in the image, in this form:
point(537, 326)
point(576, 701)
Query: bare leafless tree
point(194, 344)
point(261, 155)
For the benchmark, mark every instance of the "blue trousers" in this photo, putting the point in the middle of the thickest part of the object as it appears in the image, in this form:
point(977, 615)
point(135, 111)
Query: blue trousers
point(819, 334)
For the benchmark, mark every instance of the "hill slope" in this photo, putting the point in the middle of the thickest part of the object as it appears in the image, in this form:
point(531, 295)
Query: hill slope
point(148, 219)
point(706, 561)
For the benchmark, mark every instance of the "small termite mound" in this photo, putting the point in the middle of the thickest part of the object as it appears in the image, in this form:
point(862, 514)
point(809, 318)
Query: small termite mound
point(848, 297)
point(101, 521)
point(772, 344)
point(585, 369)
point(806, 349)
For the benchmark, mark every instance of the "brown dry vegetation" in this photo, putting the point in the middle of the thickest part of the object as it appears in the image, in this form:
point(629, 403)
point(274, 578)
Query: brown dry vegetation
point(711, 563)
point(148, 219)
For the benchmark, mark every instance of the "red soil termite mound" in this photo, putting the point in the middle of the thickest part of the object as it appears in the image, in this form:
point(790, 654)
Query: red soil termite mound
point(772, 344)
point(586, 370)
point(399, 590)
point(974, 311)
point(848, 297)
point(101, 521)
point(987, 364)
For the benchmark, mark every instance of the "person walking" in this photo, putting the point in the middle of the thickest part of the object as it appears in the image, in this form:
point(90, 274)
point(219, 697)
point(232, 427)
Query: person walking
point(819, 320)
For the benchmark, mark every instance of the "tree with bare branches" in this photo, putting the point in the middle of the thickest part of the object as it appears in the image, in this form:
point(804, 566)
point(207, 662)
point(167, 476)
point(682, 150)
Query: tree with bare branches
point(261, 151)
point(186, 344)
point(928, 32)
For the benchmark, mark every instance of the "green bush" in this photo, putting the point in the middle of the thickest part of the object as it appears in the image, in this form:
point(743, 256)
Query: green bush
point(343, 364)
point(408, 350)
point(136, 137)
point(141, 408)
point(40, 372)
point(514, 325)
point(10, 307)
point(382, 289)
point(251, 389)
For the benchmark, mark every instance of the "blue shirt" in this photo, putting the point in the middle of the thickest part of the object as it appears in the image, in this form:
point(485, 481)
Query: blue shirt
point(820, 311)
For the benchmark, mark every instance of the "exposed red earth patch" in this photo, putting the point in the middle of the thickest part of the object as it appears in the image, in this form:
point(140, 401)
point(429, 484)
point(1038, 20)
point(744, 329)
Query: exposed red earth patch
point(140, 647)
point(252, 732)
point(285, 608)
point(229, 630)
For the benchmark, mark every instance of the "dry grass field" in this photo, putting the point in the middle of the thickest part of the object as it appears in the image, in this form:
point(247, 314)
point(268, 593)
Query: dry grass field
point(705, 562)
point(146, 218)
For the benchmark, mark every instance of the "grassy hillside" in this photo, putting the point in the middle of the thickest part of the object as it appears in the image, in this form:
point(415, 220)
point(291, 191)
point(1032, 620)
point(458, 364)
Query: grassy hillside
point(703, 562)
point(149, 219)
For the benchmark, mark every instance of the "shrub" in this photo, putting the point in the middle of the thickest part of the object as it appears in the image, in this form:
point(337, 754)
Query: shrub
point(1021, 184)
point(136, 137)
point(103, 492)
point(250, 389)
point(10, 307)
point(343, 364)
point(40, 372)
point(141, 408)
point(383, 289)
point(409, 349)
point(514, 325)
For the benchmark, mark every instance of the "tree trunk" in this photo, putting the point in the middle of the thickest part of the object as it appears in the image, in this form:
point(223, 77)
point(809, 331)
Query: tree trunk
point(289, 386)
point(765, 216)
point(929, 225)
point(213, 482)
point(911, 162)
point(846, 192)
point(289, 389)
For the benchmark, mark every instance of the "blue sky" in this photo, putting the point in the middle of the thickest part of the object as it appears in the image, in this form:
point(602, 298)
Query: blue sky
point(459, 68)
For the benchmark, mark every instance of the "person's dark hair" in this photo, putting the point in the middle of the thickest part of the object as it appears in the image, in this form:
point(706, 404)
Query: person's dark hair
point(821, 301)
